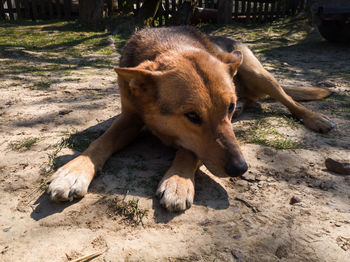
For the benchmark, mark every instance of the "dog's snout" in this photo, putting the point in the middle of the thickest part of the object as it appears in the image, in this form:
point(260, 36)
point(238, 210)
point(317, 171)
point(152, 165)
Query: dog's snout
point(234, 167)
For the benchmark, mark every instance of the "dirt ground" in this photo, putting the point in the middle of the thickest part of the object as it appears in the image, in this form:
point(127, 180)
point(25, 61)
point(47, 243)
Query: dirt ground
point(59, 91)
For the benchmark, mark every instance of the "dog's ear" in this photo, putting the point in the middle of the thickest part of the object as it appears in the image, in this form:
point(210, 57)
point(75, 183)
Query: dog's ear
point(138, 80)
point(233, 59)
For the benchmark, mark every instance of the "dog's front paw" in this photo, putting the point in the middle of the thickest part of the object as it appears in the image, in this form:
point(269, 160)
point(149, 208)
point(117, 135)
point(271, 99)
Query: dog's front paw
point(318, 122)
point(71, 180)
point(176, 193)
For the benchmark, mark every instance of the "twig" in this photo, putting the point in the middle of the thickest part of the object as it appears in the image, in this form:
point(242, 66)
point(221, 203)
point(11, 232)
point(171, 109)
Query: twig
point(87, 257)
point(253, 208)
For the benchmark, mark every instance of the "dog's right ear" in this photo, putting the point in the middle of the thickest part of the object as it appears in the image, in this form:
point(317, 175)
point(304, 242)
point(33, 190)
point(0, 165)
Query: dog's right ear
point(233, 59)
point(139, 80)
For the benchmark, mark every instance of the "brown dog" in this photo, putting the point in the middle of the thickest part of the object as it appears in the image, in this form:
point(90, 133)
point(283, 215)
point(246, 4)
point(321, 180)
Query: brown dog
point(182, 86)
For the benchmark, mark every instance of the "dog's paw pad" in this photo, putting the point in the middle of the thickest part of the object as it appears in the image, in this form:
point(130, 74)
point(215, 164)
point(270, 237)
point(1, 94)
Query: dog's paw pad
point(176, 193)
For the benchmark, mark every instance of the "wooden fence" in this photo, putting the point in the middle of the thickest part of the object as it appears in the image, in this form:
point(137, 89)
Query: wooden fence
point(255, 11)
point(38, 9)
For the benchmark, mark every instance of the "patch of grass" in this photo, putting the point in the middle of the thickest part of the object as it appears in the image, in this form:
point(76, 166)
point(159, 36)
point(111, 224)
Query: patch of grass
point(71, 39)
point(129, 210)
point(72, 79)
point(51, 165)
point(336, 97)
point(42, 85)
point(25, 143)
point(261, 133)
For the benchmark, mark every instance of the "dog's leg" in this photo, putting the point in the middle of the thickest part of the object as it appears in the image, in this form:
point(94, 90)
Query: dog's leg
point(73, 179)
point(176, 189)
point(258, 82)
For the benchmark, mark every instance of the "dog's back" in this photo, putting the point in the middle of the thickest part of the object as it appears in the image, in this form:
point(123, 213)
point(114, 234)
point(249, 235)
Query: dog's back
point(149, 43)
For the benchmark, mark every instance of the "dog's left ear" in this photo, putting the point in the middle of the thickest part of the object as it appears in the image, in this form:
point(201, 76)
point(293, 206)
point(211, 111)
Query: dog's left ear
point(233, 59)
point(139, 80)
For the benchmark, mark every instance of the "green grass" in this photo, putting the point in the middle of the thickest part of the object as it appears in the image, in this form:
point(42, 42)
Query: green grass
point(25, 143)
point(129, 210)
point(42, 85)
point(68, 38)
point(260, 132)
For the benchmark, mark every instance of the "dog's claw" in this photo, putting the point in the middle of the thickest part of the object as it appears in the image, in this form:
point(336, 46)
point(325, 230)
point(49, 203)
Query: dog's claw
point(176, 193)
point(71, 194)
point(160, 194)
point(70, 181)
point(319, 123)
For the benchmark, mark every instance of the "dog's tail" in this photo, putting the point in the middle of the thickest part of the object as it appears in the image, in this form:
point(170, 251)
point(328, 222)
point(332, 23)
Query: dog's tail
point(304, 93)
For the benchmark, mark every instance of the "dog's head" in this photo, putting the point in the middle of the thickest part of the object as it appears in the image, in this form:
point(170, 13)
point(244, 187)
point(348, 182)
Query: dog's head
point(188, 100)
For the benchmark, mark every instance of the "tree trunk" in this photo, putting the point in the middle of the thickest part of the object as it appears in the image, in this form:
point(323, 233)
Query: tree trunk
point(148, 11)
point(90, 11)
point(185, 14)
point(225, 12)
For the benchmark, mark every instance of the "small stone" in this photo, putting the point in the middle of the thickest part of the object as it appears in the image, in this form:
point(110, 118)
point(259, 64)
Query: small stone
point(269, 151)
point(205, 222)
point(235, 209)
point(281, 252)
point(237, 237)
point(294, 200)
point(337, 167)
point(7, 229)
point(247, 222)
point(261, 178)
point(64, 112)
point(237, 255)
point(249, 177)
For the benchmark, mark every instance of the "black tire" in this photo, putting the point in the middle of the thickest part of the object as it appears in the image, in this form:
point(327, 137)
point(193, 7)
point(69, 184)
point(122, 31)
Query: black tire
point(335, 31)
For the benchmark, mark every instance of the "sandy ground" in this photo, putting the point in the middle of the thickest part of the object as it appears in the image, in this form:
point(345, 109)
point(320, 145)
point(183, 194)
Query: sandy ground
point(241, 219)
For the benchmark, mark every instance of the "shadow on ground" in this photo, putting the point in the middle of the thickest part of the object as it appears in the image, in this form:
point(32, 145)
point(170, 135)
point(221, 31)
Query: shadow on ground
point(135, 171)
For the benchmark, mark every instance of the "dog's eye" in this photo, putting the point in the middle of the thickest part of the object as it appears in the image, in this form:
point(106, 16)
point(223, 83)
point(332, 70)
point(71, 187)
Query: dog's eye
point(194, 118)
point(231, 107)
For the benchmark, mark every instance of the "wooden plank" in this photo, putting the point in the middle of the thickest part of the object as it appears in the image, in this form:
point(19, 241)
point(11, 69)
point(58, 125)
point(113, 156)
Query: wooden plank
point(10, 10)
point(26, 7)
point(249, 6)
point(34, 10)
point(58, 8)
point(109, 7)
point(51, 15)
point(224, 15)
point(293, 7)
point(166, 12)
point(2, 10)
point(286, 8)
point(236, 10)
point(266, 12)
point(243, 11)
point(261, 5)
point(43, 14)
point(272, 11)
point(255, 10)
point(173, 8)
point(18, 9)
point(67, 9)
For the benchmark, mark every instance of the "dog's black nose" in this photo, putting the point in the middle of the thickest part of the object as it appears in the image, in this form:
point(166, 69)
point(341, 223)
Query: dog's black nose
point(234, 167)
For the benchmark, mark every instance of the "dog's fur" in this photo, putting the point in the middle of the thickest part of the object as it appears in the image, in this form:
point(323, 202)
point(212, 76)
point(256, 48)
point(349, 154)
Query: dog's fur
point(184, 86)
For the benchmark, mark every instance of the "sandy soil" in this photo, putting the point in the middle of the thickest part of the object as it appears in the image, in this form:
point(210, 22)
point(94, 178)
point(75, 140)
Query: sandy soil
point(241, 219)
